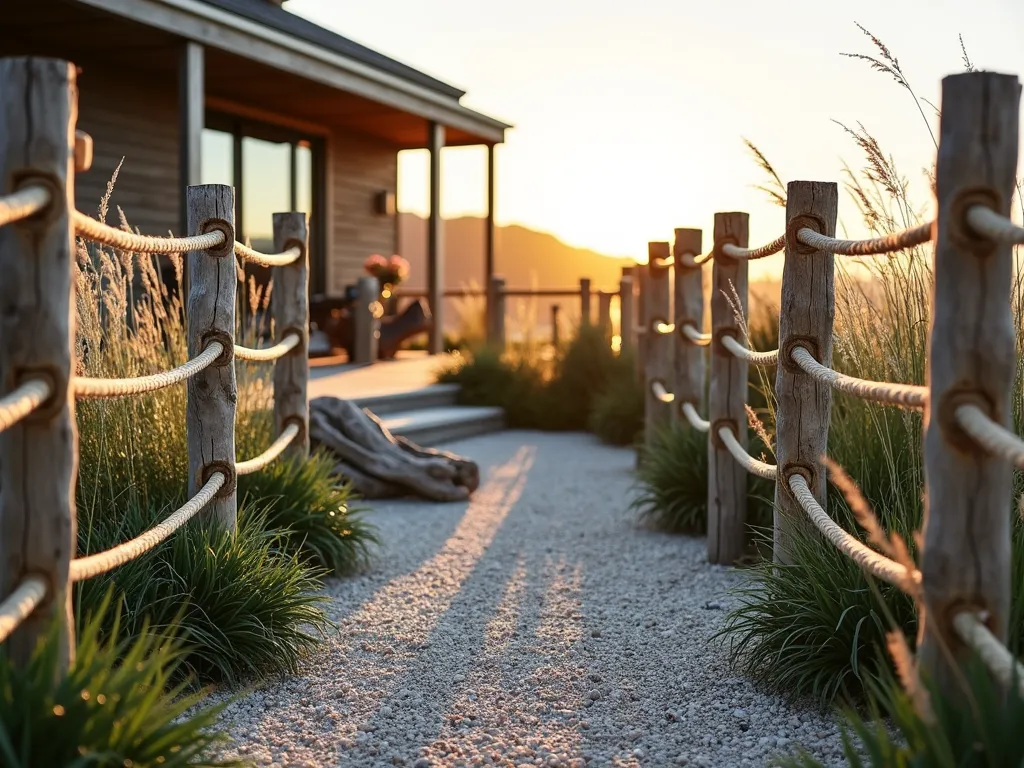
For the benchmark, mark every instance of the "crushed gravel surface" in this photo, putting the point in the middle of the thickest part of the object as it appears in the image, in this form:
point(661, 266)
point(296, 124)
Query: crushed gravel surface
point(536, 625)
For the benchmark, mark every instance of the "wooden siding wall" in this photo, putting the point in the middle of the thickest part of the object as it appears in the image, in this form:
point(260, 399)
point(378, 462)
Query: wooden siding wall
point(139, 122)
point(359, 168)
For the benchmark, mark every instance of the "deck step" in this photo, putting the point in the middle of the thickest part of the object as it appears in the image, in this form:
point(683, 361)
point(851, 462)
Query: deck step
point(434, 396)
point(442, 424)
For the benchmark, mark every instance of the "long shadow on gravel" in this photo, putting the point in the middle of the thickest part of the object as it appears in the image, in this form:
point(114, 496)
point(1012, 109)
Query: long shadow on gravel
point(491, 641)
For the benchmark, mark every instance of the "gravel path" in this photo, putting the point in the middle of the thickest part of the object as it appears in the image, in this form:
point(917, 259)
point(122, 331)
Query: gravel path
point(535, 625)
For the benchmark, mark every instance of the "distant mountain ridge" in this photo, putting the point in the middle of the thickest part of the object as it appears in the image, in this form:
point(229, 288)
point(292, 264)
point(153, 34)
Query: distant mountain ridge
point(524, 257)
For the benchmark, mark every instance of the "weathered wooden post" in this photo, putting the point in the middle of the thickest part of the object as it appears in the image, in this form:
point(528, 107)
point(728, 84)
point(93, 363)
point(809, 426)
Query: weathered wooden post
point(727, 480)
point(604, 313)
point(971, 359)
point(497, 313)
point(658, 361)
point(627, 312)
point(688, 382)
point(585, 316)
point(806, 314)
point(212, 393)
point(38, 455)
point(366, 314)
point(289, 305)
point(642, 336)
point(556, 340)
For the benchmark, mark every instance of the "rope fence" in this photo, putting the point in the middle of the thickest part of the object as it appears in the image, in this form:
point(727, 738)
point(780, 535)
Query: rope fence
point(267, 354)
point(267, 458)
point(23, 204)
point(102, 389)
point(971, 447)
point(93, 565)
point(762, 359)
point(24, 399)
point(40, 263)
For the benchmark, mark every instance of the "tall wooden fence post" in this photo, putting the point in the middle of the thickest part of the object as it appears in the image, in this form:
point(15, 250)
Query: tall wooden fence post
point(366, 314)
point(604, 313)
point(289, 304)
point(212, 393)
point(641, 273)
point(688, 383)
point(38, 455)
point(658, 362)
point(971, 359)
point(727, 480)
point(556, 340)
point(585, 316)
point(627, 313)
point(806, 314)
point(497, 314)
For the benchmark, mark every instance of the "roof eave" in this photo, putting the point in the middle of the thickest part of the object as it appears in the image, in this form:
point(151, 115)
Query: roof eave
point(217, 28)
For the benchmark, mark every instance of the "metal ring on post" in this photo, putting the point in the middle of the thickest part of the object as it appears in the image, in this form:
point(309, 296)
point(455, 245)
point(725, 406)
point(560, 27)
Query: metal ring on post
point(227, 354)
point(960, 231)
point(803, 220)
point(786, 353)
point(950, 426)
point(718, 254)
point(960, 604)
point(796, 468)
point(50, 407)
point(54, 209)
point(716, 340)
point(227, 247)
point(716, 425)
point(230, 477)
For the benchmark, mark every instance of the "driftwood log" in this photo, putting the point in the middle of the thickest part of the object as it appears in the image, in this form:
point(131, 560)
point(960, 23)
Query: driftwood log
point(380, 465)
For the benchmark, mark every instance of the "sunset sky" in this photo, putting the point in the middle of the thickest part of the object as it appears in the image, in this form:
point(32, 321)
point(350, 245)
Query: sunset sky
point(630, 116)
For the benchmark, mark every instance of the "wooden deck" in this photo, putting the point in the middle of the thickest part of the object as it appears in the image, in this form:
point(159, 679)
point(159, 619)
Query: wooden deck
point(408, 372)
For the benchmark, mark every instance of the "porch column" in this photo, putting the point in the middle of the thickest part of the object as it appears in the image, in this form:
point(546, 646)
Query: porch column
point(191, 117)
point(489, 239)
point(435, 240)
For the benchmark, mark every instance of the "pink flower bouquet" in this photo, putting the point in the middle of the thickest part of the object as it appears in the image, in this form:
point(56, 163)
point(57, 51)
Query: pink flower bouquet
point(390, 271)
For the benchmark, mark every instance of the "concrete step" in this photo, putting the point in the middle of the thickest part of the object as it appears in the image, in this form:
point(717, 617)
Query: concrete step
point(433, 426)
point(423, 398)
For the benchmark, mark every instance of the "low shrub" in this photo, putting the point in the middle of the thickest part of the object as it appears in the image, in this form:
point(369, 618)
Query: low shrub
point(245, 608)
point(114, 707)
point(489, 378)
point(672, 483)
point(617, 414)
point(582, 372)
point(312, 513)
point(559, 394)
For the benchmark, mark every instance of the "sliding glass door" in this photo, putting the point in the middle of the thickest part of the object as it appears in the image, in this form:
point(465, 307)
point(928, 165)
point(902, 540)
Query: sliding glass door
point(272, 170)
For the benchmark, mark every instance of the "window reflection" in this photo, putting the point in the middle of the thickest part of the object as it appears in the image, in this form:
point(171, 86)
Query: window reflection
point(218, 157)
point(303, 177)
point(266, 189)
point(272, 170)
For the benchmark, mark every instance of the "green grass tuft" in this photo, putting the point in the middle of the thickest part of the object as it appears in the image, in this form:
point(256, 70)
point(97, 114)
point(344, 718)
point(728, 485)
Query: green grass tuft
point(245, 608)
point(617, 414)
point(115, 706)
point(672, 483)
point(984, 734)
